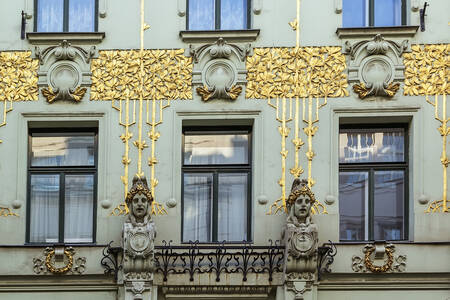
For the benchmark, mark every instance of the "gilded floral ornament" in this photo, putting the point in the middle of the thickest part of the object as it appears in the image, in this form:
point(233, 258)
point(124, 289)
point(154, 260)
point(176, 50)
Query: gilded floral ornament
point(6, 212)
point(18, 76)
point(167, 75)
point(383, 252)
point(52, 95)
point(296, 72)
point(59, 261)
point(427, 70)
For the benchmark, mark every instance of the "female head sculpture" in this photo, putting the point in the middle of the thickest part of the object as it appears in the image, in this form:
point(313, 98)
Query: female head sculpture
point(300, 201)
point(139, 200)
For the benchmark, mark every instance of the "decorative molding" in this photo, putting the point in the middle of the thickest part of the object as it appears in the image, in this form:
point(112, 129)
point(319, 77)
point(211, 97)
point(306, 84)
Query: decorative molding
point(81, 38)
point(232, 36)
point(369, 32)
point(62, 256)
point(319, 72)
point(64, 71)
point(219, 49)
point(168, 75)
point(299, 288)
point(382, 250)
point(374, 65)
point(216, 289)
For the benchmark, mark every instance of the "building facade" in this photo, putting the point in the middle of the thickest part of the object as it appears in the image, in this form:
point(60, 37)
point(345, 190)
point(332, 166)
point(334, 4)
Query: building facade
point(224, 107)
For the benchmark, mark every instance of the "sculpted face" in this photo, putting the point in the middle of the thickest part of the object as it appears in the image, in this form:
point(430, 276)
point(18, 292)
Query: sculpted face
point(140, 205)
point(302, 206)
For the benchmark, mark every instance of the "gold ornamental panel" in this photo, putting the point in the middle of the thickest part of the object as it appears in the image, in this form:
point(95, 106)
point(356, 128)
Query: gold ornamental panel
point(427, 70)
point(116, 75)
point(18, 76)
point(296, 72)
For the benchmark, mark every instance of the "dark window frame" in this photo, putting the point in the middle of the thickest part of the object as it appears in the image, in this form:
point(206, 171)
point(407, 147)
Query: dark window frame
point(216, 169)
point(371, 167)
point(217, 15)
point(62, 172)
point(65, 17)
point(371, 16)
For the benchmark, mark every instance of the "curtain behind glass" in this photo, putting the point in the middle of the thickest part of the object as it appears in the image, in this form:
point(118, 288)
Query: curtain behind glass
point(82, 15)
point(44, 201)
point(201, 15)
point(233, 14)
point(353, 210)
point(50, 15)
point(354, 13)
point(197, 199)
point(232, 218)
point(388, 205)
point(388, 12)
point(79, 205)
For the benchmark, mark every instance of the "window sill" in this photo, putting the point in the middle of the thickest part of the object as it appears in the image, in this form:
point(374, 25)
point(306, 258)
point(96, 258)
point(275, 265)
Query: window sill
point(200, 36)
point(36, 38)
point(368, 32)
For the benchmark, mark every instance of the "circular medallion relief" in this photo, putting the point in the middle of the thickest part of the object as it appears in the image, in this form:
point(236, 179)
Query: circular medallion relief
point(302, 241)
point(219, 73)
point(139, 241)
point(64, 76)
point(376, 69)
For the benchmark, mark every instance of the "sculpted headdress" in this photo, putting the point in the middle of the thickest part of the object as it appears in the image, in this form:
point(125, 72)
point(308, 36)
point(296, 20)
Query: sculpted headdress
point(299, 187)
point(139, 186)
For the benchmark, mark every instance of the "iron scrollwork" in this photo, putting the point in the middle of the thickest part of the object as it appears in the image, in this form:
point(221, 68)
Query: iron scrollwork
point(197, 259)
point(110, 259)
point(327, 252)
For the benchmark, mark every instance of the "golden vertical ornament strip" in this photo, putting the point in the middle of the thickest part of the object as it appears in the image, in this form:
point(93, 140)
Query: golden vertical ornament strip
point(280, 203)
point(427, 73)
point(154, 135)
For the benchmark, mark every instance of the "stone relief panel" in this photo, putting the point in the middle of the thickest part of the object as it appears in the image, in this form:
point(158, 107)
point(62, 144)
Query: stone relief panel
point(219, 70)
point(376, 66)
point(65, 71)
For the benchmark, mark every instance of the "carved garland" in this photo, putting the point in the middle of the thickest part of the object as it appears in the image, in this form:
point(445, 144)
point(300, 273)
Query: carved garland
point(378, 269)
point(61, 270)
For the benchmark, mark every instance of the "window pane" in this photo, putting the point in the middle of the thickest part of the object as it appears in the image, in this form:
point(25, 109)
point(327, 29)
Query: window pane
point(353, 200)
point(216, 149)
point(388, 12)
point(62, 151)
point(372, 145)
point(44, 201)
point(232, 219)
point(388, 205)
point(233, 14)
point(354, 13)
point(201, 15)
point(197, 200)
point(79, 205)
point(50, 15)
point(82, 15)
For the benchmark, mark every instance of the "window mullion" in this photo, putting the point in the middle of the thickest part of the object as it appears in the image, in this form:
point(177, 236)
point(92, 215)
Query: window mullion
point(371, 205)
point(66, 16)
point(218, 14)
point(215, 207)
point(62, 188)
point(371, 13)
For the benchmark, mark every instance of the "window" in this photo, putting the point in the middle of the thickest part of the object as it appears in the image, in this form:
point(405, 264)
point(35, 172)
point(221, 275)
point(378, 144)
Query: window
point(216, 176)
point(373, 183)
point(66, 15)
point(62, 175)
point(218, 14)
point(361, 13)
